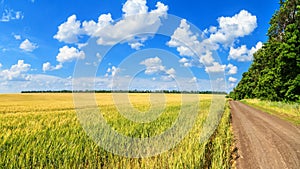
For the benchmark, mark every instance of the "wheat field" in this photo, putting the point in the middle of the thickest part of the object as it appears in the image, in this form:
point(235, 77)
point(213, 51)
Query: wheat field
point(43, 131)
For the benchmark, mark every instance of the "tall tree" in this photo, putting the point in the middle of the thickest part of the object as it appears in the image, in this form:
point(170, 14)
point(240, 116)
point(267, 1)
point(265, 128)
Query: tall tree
point(275, 71)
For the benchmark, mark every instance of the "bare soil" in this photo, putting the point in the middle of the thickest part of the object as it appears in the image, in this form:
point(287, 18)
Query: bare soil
point(263, 140)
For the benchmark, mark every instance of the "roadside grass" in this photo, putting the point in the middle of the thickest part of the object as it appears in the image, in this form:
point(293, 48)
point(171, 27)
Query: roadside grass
point(42, 131)
point(222, 142)
point(286, 111)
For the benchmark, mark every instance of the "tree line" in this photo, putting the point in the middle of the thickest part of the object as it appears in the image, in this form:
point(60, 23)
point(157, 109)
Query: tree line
point(125, 91)
point(275, 72)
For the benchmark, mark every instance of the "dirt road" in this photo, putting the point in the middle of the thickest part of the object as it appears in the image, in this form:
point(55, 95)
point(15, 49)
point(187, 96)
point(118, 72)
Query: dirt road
point(263, 140)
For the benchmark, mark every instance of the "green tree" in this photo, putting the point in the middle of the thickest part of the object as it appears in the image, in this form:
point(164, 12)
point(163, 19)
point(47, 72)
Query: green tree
point(275, 71)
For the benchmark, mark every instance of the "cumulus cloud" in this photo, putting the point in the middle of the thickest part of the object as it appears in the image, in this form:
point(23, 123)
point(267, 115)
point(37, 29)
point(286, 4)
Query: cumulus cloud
point(215, 68)
point(189, 44)
point(0, 65)
point(207, 58)
point(136, 45)
point(28, 46)
point(155, 66)
point(184, 39)
point(112, 71)
point(48, 67)
point(134, 7)
point(136, 21)
point(242, 54)
point(10, 14)
point(185, 62)
point(67, 54)
point(198, 49)
point(68, 31)
point(16, 72)
point(232, 79)
point(149, 22)
point(231, 28)
point(231, 69)
point(17, 37)
point(91, 28)
point(171, 72)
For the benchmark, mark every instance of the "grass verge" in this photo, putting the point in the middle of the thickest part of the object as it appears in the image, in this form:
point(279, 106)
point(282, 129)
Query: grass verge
point(220, 144)
point(286, 111)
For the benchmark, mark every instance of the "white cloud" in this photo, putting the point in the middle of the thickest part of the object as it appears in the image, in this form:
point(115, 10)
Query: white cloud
point(10, 14)
point(231, 69)
point(16, 72)
point(188, 44)
point(242, 54)
point(136, 21)
point(81, 45)
point(17, 37)
point(185, 62)
point(200, 49)
point(91, 27)
point(215, 68)
point(256, 48)
point(134, 7)
point(28, 46)
point(37, 82)
point(136, 45)
point(153, 65)
point(207, 58)
point(112, 71)
point(171, 72)
point(48, 67)
point(130, 28)
point(48, 82)
point(232, 79)
point(184, 40)
point(231, 28)
point(0, 65)
point(161, 9)
point(193, 80)
point(212, 29)
point(67, 54)
point(68, 31)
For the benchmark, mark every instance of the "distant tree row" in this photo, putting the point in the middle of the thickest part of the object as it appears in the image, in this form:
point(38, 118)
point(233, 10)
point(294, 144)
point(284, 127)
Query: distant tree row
point(275, 71)
point(126, 91)
point(47, 91)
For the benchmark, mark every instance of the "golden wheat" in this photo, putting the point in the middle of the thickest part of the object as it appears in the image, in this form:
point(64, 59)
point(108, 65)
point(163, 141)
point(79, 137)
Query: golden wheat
point(42, 131)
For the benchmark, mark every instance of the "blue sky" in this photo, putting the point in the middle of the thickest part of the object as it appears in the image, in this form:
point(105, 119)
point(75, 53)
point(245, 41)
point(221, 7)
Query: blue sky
point(188, 42)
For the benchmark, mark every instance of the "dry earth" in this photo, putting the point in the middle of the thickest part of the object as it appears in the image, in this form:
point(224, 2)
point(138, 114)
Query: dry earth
point(263, 140)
